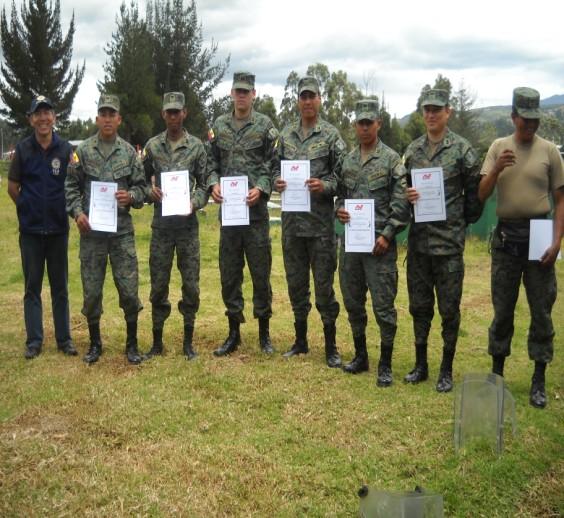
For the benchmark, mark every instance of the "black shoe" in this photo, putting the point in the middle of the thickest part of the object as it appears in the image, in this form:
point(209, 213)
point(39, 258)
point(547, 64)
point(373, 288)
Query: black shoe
point(131, 350)
point(157, 347)
point(444, 383)
point(360, 361)
point(358, 364)
point(300, 345)
point(67, 348)
point(418, 374)
point(187, 347)
point(32, 351)
point(385, 377)
point(332, 357)
point(232, 341)
point(94, 352)
point(264, 336)
point(538, 394)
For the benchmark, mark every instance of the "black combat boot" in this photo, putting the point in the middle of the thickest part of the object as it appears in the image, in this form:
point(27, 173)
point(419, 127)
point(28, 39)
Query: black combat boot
point(95, 349)
point(444, 382)
point(332, 357)
point(385, 377)
point(157, 347)
point(300, 345)
point(421, 370)
point(187, 346)
point(232, 341)
point(538, 392)
point(131, 350)
point(498, 362)
point(264, 336)
point(360, 361)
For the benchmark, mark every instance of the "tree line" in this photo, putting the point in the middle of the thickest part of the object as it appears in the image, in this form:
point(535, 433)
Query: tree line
point(164, 50)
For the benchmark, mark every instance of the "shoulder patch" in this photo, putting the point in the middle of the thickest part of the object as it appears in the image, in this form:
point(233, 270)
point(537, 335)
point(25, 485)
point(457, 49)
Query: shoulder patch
point(74, 160)
point(211, 135)
point(340, 145)
point(273, 133)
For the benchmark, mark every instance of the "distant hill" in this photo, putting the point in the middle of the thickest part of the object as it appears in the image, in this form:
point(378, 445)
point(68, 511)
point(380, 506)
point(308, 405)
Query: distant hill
point(492, 113)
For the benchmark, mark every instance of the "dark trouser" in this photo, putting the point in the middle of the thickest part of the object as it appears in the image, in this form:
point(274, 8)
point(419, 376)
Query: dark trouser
point(253, 243)
point(94, 253)
point(427, 275)
point(187, 245)
point(360, 272)
point(540, 287)
point(319, 254)
point(36, 251)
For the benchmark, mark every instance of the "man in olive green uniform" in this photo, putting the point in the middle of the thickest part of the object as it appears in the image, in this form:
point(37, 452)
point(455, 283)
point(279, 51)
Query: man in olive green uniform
point(308, 238)
point(175, 150)
point(372, 171)
point(528, 173)
point(242, 144)
point(435, 249)
point(106, 157)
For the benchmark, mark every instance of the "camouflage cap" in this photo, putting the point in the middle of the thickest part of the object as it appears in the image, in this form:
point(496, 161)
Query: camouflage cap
point(366, 109)
point(173, 101)
point(243, 81)
point(308, 84)
point(435, 97)
point(37, 102)
point(526, 103)
point(108, 101)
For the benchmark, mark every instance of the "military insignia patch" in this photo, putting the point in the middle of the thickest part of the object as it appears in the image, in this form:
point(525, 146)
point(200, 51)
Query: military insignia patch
point(55, 166)
point(74, 159)
point(273, 133)
point(211, 135)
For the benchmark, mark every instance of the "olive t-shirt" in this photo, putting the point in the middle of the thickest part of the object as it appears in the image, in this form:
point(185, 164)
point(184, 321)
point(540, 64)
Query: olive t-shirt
point(524, 189)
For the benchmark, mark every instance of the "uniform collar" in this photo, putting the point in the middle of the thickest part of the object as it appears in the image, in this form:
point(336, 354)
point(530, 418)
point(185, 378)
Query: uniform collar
point(375, 153)
point(184, 138)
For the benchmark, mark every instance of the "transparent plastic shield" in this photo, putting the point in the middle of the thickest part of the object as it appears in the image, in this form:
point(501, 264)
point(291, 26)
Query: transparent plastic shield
point(412, 504)
point(483, 407)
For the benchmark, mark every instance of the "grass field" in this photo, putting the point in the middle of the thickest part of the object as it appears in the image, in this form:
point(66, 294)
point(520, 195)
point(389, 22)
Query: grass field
point(249, 435)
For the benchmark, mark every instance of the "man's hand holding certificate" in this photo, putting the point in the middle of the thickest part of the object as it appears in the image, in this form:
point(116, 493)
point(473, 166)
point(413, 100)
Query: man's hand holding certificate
point(296, 196)
point(103, 206)
point(359, 231)
point(430, 187)
point(234, 208)
point(175, 187)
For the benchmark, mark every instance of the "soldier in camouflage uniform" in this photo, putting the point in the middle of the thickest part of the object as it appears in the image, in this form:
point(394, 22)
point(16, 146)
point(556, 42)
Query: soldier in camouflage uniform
point(308, 239)
point(435, 249)
point(373, 171)
point(106, 157)
point(242, 144)
point(527, 171)
point(175, 150)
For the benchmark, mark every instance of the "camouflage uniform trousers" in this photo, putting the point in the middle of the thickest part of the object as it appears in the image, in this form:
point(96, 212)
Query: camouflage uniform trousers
point(253, 243)
point(319, 254)
point(427, 274)
point(359, 272)
point(187, 245)
point(540, 287)
point(94, 252)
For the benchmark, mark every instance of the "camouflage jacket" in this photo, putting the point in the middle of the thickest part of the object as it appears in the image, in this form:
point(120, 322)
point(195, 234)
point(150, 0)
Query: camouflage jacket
point(461, 170)
point(122, 166)
point(247, 151)
point(380, 178)
point(325, 150)
point(189, 154)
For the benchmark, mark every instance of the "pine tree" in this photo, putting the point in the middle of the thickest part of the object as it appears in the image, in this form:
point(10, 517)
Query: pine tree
point(36, 61)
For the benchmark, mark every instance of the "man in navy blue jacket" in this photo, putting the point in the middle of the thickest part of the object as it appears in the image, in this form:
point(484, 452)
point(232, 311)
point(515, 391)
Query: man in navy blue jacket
point(36, 185)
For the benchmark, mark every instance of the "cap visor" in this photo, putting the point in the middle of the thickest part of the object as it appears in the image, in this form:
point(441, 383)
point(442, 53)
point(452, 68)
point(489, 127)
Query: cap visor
point(529, 114)
point(366, 116)
point(242, 86)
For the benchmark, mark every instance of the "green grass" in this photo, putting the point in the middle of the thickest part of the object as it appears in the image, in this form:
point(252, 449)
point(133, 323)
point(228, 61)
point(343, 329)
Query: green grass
point(249, 435)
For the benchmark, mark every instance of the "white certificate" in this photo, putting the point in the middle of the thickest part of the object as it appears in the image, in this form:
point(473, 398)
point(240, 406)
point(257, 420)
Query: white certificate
point(431, 188)
point(540, 238)
point(296, 197)
point(359, 231)
point(102, 214)
point(175, 186)
point(234, 209)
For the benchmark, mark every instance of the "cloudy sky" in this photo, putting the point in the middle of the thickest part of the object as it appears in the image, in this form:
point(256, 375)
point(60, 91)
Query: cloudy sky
point(392, 47)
